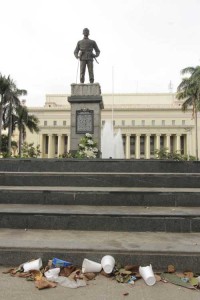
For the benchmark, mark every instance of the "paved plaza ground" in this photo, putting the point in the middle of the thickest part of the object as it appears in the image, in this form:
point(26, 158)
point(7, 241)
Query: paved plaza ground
point(101, 288)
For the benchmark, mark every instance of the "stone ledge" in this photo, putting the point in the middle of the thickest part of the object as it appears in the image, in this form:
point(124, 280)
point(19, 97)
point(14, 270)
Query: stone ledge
point(90, 89)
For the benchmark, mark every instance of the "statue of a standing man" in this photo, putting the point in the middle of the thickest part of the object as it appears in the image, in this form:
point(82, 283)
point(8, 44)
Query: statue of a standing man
point(84, 52)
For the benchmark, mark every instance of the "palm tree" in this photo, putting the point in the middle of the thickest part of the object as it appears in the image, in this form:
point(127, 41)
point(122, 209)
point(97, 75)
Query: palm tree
point(22, 120)
point(8, 103)
point(189, 91)
point(5, 85)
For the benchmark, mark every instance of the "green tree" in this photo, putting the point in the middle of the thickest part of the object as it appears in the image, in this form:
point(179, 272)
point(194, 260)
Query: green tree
point(6, 84)
point(23, 120)
point(9, 102)
point(189, 91)
point(4, 145)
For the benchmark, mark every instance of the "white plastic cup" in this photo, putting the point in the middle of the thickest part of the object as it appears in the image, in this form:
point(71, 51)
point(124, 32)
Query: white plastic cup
point(52, 273)
point(147, 274)
point(90, 266)
point(33, 265)
point(108, 263)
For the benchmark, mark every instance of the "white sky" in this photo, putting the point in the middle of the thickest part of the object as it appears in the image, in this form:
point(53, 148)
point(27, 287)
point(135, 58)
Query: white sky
point(144, 43)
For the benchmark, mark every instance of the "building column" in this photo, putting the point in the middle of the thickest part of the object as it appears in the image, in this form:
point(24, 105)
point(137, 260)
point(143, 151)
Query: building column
point(137, 146)
point(178, 142)
point(41, 137)
point(157, 146)
point(168, 142)
point(68, 143)
point(60, 152)
point(50, 145)
point(189, 143)
point(147, 146)
point(128, 149)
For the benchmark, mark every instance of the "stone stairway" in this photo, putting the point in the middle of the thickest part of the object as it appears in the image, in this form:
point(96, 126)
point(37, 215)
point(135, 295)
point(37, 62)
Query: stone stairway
point(140, 212)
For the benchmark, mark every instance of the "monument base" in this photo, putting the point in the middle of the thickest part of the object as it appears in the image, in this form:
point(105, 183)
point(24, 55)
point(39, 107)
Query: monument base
point(86, 104)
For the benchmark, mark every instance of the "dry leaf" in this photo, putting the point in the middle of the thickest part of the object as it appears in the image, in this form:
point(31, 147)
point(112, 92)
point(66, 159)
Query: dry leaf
point(158, 278)
point(90, 275)
point(44, 284)
point(171, 269)
point(132, 268)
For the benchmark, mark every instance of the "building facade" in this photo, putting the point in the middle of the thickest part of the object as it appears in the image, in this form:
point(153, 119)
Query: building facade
point(147, 122)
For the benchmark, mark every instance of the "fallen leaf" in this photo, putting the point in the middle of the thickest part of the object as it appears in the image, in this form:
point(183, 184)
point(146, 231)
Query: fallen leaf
point(175, 280)
point(90, 275)
point(171, 269)
point(125, 294)
point(132, 268)
point(44, 284)
point(158, 278)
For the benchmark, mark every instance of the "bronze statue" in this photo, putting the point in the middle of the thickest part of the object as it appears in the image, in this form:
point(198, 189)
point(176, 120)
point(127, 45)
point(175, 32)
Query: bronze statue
point(84, 52)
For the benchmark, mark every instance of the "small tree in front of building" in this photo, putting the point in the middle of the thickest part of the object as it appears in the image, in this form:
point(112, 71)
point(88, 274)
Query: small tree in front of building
point(30, 151)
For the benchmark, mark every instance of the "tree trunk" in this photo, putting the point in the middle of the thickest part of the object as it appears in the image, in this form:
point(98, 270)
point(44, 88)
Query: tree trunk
point(20, 142)
point(196, 134)
point(1, 114)
point(9, 134)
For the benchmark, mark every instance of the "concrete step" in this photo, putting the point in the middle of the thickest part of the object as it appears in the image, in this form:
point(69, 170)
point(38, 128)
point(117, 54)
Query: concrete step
point(72, 195)
point(98, 165)
point(94, 218)
point(142, 248)
point(101, 179)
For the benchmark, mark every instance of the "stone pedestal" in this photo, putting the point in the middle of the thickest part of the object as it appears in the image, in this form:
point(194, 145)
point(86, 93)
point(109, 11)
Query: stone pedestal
point(86, 104)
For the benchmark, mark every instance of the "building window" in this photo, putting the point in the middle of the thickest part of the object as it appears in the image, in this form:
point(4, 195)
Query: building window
point(54, 123)
point(64, 123)
point(123, 122)
point(183, 122)
point(103, 122)
point(152, 144)
point(65, 143)
point(45, 123)
point(132, 145)
point(163, 122)
point(56, 144)
point(133, 122)
point(173, 122)
point(153, 122)
point(161, 142)
point(143, 122)
point(142, 144)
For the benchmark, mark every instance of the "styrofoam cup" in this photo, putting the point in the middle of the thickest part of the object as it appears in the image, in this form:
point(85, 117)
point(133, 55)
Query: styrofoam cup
point(52, 273)
point(90, 266)
point(147, 274)
point(32, 265)
point(108, 263)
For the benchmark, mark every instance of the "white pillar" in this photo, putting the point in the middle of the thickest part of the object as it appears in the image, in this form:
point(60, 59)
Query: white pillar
point(189, 143)
point(147, 146)
point(68, 143)
point(157, 141)
point(168, 142)
point(137, 147)
point(60, 151)
point(178, 142)
point(50, 145)
point(41, 137)
point(127, 146)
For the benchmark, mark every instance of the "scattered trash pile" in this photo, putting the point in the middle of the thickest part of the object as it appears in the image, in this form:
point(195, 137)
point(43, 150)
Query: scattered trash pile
point(64, 273)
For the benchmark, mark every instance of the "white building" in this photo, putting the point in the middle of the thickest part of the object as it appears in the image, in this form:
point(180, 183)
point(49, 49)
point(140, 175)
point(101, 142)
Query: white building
point(147, 122)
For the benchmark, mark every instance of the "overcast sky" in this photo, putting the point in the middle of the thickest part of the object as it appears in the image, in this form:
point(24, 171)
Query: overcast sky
point(144, 43)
